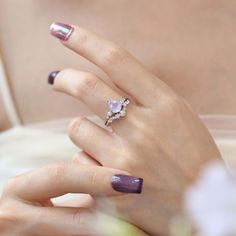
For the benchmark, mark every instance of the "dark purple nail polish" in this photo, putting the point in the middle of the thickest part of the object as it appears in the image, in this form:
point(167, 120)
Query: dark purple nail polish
point(127, 184)
point(61, 31)
point(52, 76)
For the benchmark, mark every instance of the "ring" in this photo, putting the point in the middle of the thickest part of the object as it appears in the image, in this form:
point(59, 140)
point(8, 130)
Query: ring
point(117, 109)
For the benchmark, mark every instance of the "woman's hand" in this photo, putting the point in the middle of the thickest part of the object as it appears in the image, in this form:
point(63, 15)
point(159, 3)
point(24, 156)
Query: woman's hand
point(26, 208)
point(161, 138)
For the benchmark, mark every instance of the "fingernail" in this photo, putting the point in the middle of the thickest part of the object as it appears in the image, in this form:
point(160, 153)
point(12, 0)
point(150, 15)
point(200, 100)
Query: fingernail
point(61, 31)
point(52, 76)
point(127, 184)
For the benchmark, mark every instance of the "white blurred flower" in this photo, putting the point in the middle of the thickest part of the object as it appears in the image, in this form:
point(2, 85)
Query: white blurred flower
point(211, 202)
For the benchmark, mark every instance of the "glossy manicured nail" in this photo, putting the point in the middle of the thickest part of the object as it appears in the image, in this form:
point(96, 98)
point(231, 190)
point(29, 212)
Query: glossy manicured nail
point(127, 184)
point(52, 76)
point(61, 31)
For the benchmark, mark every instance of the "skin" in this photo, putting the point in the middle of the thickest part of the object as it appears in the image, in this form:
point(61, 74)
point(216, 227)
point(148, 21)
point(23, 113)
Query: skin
point(28, 211)
point(140, 128)
point(161, 139)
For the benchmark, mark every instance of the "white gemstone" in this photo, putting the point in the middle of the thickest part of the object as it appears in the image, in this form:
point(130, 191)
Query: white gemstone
point(109, 113)
point(114, 105)
point(122, 113)
point(125, 103)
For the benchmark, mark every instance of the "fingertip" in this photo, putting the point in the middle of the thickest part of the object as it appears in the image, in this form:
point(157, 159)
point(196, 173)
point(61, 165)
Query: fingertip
point(61, 30)
point(74, 125)
point(52, 76)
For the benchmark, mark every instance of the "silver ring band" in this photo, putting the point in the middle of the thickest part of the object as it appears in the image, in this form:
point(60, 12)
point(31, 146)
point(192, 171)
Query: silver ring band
point(117, 109)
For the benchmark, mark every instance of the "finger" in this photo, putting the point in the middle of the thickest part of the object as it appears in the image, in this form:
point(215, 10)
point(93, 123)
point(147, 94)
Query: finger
point(63, 221)
point(81, 201)
point(93, 139)
point(68, 177)
point(125, 71)
point(84, 159)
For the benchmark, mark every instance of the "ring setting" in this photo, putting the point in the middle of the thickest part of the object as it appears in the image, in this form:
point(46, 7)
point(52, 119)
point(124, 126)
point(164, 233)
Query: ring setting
point(116, 110)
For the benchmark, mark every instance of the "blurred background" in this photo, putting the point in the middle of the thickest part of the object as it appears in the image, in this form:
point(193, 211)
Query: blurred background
point(191, 45)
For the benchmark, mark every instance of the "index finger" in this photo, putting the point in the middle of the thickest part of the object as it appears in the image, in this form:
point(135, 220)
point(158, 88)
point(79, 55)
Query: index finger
point(69, 177)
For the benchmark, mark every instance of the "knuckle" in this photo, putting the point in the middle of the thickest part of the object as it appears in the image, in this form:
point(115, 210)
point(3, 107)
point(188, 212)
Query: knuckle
point(174, 101)
point(9, 218)
point(77, 217)
point(10, 185)
point(74, 126)
point(92, 177)
point(123, 163)
point(6, 221)
point(81, 37)
point(171, 105)
point(75, 158)
point(128, 163)
point(126, 158)
point(139, 138)
point(3, 225)
point(57, 171)
point(113, 55)
point(86, 85)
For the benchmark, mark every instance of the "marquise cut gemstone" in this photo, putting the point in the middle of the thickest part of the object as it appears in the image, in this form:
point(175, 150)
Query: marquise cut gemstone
point(115, 105)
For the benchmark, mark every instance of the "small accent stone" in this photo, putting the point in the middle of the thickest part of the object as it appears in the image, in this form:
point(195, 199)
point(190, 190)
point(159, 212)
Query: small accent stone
point(117, 116)
point(126, 102)
point(122, 113)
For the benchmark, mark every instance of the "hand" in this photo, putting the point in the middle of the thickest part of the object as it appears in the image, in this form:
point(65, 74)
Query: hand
point(160, 139)
point(26, 208)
